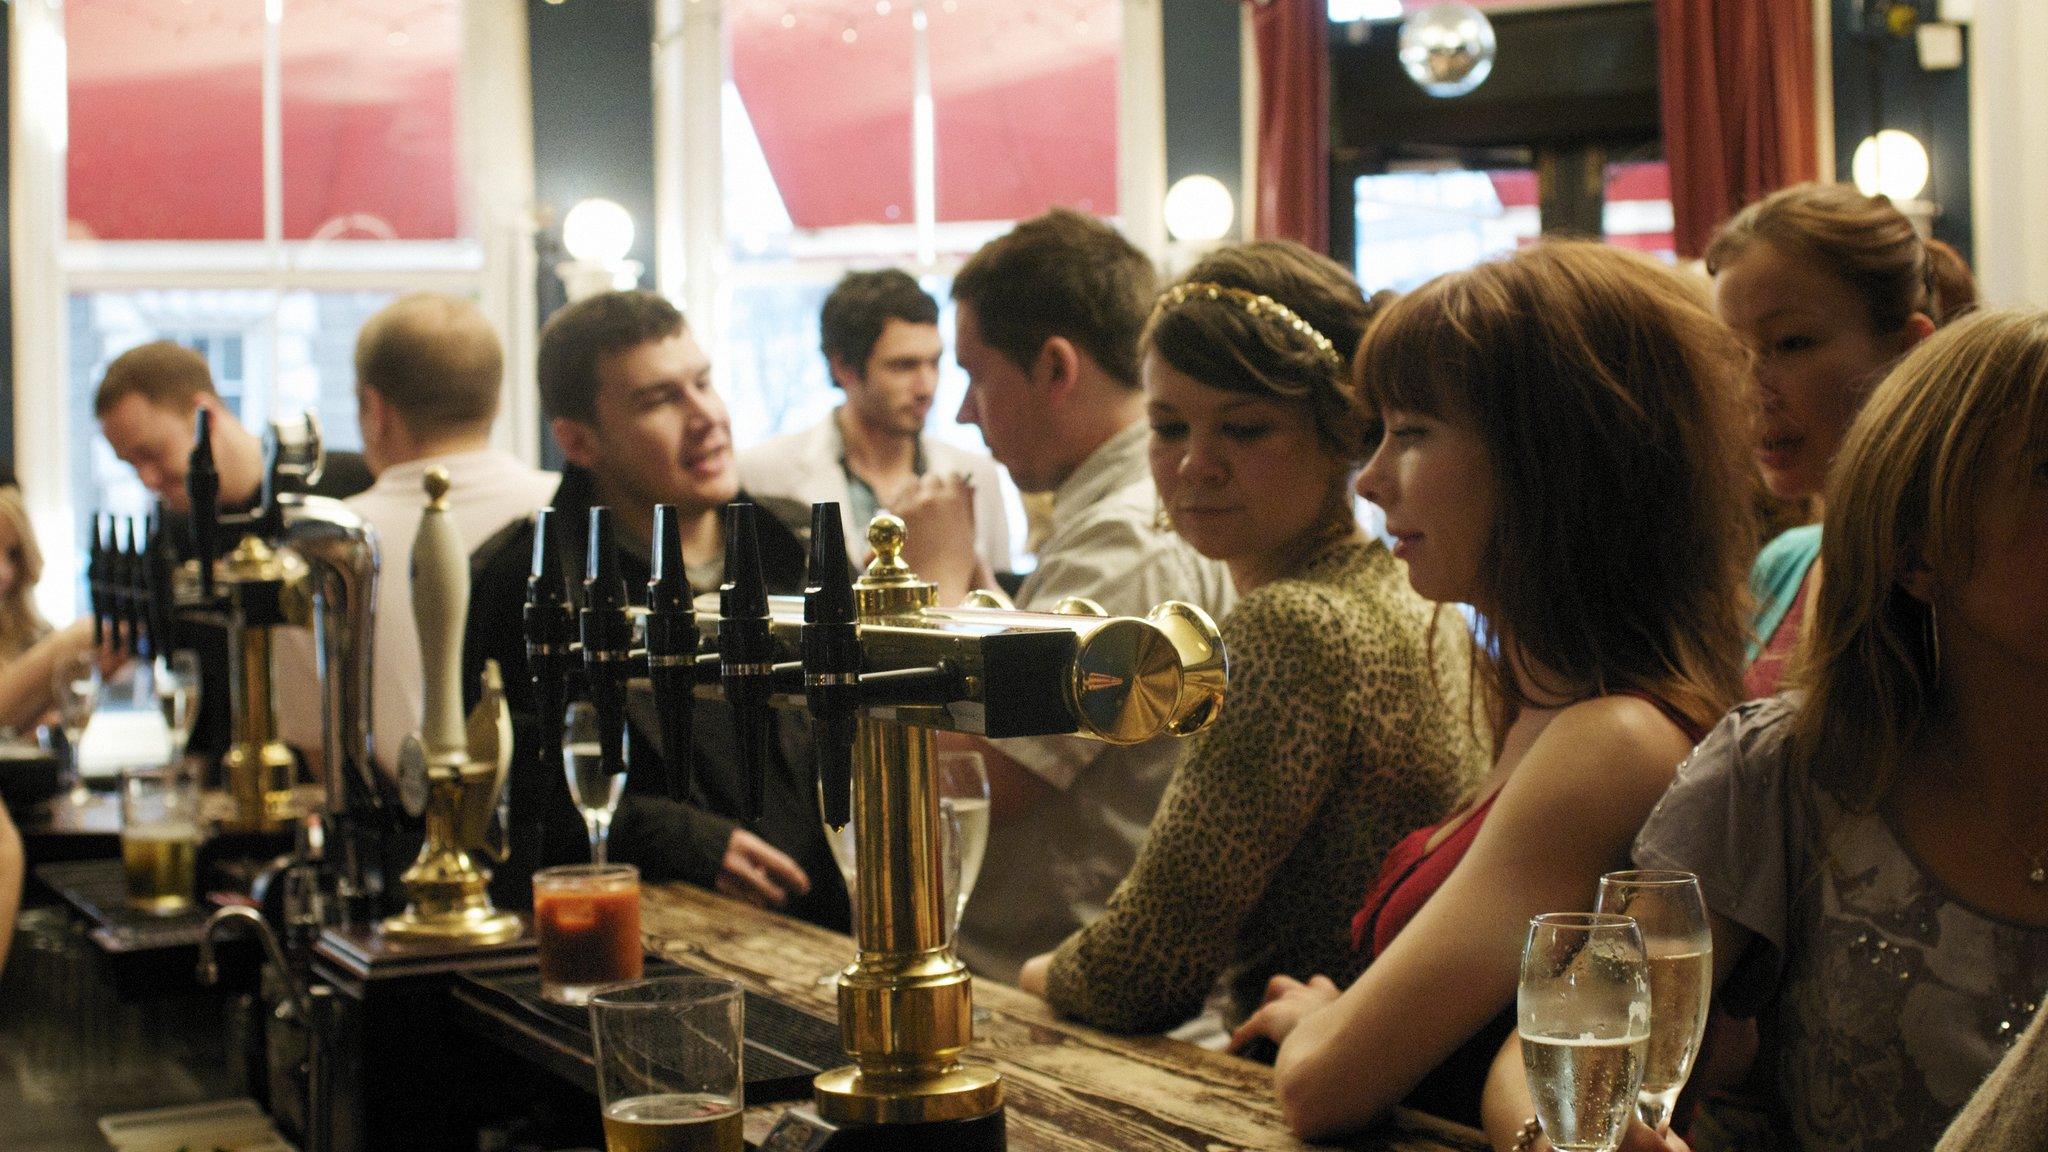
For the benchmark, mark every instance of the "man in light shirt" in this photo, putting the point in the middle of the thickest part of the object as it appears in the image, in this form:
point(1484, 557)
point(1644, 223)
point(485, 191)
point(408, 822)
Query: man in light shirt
point(428, 374)
point(1047, 330)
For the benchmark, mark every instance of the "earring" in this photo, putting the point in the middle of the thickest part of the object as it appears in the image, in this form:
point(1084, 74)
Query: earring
point(1933, 641)
point(1162, 520)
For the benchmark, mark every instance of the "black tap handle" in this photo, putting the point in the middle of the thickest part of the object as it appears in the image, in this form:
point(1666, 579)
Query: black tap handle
point(202, 489)
point(607, 640)
point(128, 563)
point(550, 622)
point(154, 583)
point(672, 649)
point(99, 578)
point(832, 659)
point(746, 650)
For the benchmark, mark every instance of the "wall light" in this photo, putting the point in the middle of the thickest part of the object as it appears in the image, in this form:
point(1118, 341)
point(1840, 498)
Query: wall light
point(1891, 163)
point(597, 235)
point(1199, 209)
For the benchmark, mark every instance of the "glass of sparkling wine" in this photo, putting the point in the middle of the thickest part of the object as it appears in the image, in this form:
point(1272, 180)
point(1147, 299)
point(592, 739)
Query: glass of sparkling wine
point(75, 683)
point(159, 838)
point(595, 791)
point(1667, 906)
point(175, 680)
point(963, 816)
point(1583, 1013)
point(668, 1065)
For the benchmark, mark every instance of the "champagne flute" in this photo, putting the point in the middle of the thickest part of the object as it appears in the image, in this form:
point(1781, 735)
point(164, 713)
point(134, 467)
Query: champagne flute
point(1583, 1014)
point(176, 682)
point(963, 813)
point(1680, 949)
point(595, 791)
point(75, 682)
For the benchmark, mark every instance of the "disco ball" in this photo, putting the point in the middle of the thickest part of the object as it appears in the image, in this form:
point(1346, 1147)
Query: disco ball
point(1447, 48)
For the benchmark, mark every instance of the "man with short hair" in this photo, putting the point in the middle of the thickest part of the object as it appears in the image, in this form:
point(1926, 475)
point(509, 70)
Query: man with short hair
point(628, 394)
point(880, 335)
point(148, 406)
point(1048, 325)
point(429, 369)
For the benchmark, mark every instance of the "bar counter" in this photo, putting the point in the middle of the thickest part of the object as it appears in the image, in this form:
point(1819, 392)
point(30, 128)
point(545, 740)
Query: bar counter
point(1068, 1087)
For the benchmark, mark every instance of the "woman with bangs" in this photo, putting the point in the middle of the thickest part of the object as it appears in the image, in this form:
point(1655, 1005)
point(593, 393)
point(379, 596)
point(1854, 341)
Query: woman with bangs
point(1563, 453)
point(1336, 738)
point(1872, 845)
point(1828, 288)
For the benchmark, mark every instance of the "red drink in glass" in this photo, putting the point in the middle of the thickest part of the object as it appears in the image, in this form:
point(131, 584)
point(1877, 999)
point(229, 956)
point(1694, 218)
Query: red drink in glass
point(586, 918)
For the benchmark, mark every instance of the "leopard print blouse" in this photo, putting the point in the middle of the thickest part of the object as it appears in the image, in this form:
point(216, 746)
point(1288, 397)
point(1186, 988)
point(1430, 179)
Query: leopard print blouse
point(1343, 729)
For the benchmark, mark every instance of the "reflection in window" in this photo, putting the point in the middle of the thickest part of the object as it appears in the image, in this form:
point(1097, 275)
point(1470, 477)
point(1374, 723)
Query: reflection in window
point(1413, 226)
point(1637, 209)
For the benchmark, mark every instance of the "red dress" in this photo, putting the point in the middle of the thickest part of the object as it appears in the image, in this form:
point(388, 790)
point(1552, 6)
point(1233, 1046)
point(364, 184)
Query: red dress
point(1410, 875)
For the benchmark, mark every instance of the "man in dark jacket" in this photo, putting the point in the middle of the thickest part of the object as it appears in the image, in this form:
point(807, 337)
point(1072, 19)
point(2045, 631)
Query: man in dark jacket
point(628, 394)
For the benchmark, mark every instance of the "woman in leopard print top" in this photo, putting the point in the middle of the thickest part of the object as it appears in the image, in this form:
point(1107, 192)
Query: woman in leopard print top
point(1343, 727)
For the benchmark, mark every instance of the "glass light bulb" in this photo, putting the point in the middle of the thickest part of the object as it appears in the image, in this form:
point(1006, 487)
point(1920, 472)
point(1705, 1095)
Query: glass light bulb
point(1198, 208)
point(1891, 163)
point(598, 231)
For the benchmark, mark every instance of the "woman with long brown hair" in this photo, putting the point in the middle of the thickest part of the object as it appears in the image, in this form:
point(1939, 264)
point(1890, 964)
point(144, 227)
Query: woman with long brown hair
point(1871, 845)
point(1828, 288)
point(1563, 453)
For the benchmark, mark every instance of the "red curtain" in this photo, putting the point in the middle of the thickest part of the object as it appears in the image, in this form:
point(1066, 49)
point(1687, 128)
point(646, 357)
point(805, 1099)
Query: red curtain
point(1292, 38)
point(1737, 79)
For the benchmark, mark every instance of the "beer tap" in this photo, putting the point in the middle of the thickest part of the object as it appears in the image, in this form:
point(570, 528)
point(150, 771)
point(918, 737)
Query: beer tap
point(101, 581)
point(607, 641)
point(202, 491)
point(831, 649)
point(746, 652)
point(672, 650)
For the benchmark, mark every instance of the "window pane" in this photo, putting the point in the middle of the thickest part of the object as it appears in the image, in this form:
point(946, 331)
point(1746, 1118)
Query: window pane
point(817, 119)
point(369, 119)
point(1638, 208)
point(166, 119)
point(1024, 106)
point(297, 346)
point(1416, 225)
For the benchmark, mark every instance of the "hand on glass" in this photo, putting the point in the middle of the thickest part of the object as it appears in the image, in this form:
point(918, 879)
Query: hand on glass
point(1287, 1001)
point(757, 872)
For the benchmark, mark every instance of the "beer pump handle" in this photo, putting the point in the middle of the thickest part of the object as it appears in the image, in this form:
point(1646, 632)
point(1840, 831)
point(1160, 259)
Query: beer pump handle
point(746, 651)
point(99, 578)
point(154, 583)
point(129, 606)
point(202, 488)
point(831, 658)
point(672, 649)
point(550, 620)
point(440, 603)
point(607, 640)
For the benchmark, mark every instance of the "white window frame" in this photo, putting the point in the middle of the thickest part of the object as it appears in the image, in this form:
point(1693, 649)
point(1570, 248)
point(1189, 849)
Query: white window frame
point(496, 264)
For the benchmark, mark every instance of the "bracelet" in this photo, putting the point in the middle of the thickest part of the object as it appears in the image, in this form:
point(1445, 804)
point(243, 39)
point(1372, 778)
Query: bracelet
point(1528, 1134)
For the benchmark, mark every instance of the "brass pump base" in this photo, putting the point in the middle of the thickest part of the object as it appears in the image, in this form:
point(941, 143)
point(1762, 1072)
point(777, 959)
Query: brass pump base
point(847, 1095)
point(473, 927)
point(446, 903)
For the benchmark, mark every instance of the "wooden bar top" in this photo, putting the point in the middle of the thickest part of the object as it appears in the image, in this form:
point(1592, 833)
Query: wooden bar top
point(1067, 1086)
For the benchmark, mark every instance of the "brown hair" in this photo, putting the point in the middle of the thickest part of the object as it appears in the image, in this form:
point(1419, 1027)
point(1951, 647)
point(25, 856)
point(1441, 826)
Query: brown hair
point(585, 332)
point(1225, 344)
point(163, 372)
point(435, 359)
point(1608, 398)
point(1864, 240)
point(1936, 436)
point(20, 624)
point(1061, 274)
point(860, 306)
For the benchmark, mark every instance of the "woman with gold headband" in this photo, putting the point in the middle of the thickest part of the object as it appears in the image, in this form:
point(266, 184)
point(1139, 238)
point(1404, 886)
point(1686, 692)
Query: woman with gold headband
point(1337, 737)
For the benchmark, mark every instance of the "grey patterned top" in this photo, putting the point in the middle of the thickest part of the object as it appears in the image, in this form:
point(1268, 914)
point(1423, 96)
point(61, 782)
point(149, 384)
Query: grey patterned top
point(1888, 998)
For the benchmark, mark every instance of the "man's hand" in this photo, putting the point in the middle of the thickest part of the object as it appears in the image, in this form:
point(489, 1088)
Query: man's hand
point(938, 519)
point(757, 872)
point(1287, 1001)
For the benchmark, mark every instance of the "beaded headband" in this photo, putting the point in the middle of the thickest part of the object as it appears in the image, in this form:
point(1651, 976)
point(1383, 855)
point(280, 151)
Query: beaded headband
point(1255, 304)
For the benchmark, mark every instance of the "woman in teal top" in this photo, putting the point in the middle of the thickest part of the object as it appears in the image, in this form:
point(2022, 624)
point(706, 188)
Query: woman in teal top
point(1828, 288)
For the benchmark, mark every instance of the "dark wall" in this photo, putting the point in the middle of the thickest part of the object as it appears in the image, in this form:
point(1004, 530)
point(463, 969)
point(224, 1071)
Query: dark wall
point(1878, 83)
point(593, 128)
point(1203, 120)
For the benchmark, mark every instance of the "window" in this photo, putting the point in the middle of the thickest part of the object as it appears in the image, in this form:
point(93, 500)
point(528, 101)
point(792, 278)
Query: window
point(949, 120)
point(1413, 226)
point(251, 178)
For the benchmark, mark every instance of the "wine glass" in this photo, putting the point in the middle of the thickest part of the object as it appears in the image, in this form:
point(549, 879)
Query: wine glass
point(175, 679)
point(1667, 906)
point(1583, 1014)
point(962, 779)
point(75, 682)
point(595, 791)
